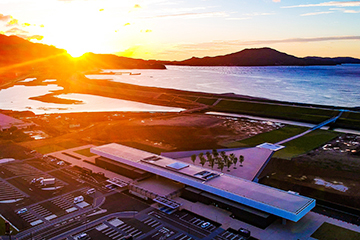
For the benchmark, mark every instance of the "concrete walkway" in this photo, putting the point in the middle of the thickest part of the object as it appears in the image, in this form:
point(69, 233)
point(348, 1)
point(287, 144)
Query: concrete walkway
point(320, 125)
point(303, 229)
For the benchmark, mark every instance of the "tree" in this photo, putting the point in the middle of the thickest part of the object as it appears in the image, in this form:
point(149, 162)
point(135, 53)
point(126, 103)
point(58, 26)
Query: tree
point(212, 163)
point(215, 153)
point(226, 159)
point(221, 165)
point(228, 164)
point(201, 154)
point(210, 159)
point(241, 159)
point(208, 154)
point(202, 160)
point(193, 158)
point(235, 161)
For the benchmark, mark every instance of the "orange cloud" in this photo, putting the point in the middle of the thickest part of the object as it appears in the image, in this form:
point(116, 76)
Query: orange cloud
point(146, 31)
point(12, 22)
point(23, 34)
point(34, 37)
point(137, 6)
point(16, 31)
point(4, 17)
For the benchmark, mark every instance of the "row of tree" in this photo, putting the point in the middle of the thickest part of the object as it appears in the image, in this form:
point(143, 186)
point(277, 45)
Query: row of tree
point(220, 159)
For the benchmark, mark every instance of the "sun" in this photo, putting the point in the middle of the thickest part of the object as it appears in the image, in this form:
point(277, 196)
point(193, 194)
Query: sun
point(75, 52)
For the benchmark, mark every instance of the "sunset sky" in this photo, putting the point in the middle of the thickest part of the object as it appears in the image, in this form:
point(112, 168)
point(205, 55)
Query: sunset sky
point(180, 29)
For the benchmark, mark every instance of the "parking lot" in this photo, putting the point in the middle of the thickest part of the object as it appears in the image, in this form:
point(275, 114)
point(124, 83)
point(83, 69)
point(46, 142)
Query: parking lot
point(197, 220)
point(42, 204)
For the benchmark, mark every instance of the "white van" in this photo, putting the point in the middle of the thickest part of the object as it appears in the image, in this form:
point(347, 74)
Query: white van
point(78, 199)
point(90, 191)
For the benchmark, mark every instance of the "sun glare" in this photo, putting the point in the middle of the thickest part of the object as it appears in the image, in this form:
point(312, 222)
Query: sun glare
point(75, 52)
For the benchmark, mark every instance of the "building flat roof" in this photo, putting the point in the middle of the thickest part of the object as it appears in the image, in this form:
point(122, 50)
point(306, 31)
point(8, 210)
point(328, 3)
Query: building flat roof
point(278, 202)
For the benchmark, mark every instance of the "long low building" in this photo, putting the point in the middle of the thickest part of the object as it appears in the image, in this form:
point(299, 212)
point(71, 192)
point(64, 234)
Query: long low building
point(270, 200)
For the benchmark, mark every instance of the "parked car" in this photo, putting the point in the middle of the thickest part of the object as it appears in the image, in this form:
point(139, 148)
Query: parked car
point(81, 236)
point(60, 163)
point(78, 199)
point(244, 232)
point(23, 210)
point(205, 224)
point(90, 191)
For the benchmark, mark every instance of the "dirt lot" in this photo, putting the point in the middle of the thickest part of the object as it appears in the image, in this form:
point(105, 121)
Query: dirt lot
point(162, 132)
point(329, 172)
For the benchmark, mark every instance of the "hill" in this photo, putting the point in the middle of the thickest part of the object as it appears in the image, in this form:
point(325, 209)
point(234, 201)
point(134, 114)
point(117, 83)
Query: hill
point(20, 58)
point(261, 57)
point(110, 61)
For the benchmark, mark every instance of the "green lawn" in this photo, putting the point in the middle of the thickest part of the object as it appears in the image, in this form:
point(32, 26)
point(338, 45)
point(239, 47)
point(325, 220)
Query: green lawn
point(58, 147)
point(85, 152)
point(69, 144)
point(305, 143)
point(293, 148)
point(2, 228)
point(49, 148)
point(329, 231)
point(271, 137)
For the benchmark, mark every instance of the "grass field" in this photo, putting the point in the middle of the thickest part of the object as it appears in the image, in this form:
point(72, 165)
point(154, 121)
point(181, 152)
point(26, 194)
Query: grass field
point(329, 231)
point(2, 228)
point(305, 144)
point(49, 148)
point(271, 137)
point(293, 148)
point(85, 152)
point(57, 147)
point(349, 120)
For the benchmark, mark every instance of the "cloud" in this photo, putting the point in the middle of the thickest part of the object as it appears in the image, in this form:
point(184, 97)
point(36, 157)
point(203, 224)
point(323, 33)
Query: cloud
point(34, 37)
point(16, 31)
point(239, 18)
point(13, 21)
point(5, 17)
point(222, 45)
point(351, 11)
point(137, 6)
point(328, 4)
point(127, 24)
point(23, 34)
point(276, 0)
point(26, 24)
point(192, 15)
point(315, 13)
point(258, 14)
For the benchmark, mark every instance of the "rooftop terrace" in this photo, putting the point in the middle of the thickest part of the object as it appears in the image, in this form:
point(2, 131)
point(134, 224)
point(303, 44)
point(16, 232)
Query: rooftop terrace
point(278, 202)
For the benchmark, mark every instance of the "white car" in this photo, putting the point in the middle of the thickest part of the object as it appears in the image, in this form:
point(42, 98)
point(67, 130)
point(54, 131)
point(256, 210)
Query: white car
point(90, 191)
point(78, 199)
point(23, 210)
point(205, 224)
point(81, 236)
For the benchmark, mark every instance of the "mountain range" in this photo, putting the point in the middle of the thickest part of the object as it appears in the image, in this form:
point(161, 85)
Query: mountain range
point(262, 57)
point(17, 54)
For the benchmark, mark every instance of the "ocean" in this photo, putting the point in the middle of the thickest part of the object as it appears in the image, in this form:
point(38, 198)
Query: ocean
point(325, 85)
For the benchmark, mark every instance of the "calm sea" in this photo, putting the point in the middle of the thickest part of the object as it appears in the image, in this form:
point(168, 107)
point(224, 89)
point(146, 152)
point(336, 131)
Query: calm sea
point(327, 85)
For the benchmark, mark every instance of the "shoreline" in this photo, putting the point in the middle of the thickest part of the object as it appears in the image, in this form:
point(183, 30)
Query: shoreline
point(202, 102)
